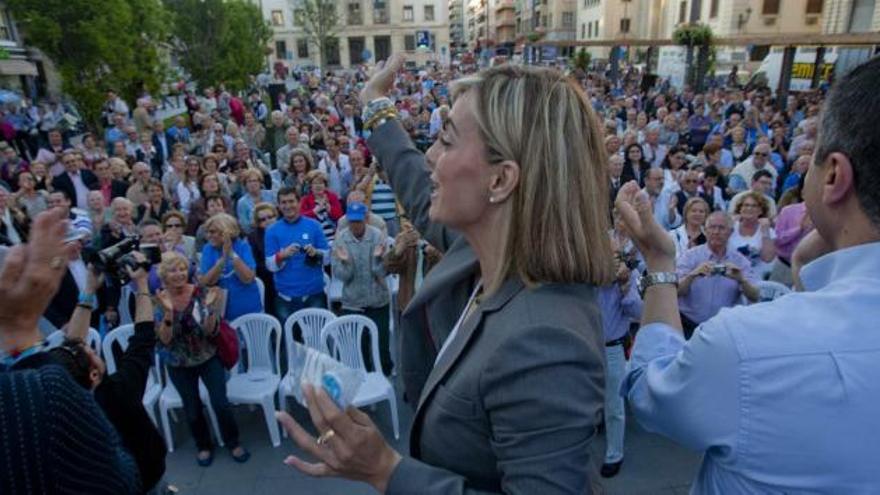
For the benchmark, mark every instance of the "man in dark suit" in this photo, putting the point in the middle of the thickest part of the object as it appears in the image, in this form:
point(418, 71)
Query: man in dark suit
point(75, 181)
point(690, 184)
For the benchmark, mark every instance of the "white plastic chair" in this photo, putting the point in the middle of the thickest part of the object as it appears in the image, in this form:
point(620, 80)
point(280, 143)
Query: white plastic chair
point(93, 339)
point(345, 333)
point(333, 290)
point(124, 308)
point(259, 382)
point(772, 290)
point(170, 399)
point(153, 388)
point(311, 321)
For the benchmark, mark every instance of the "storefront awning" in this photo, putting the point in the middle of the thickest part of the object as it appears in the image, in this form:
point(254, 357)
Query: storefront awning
point(17, 67)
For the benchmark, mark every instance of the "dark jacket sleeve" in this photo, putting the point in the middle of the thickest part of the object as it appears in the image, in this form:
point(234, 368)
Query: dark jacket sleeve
point(132, 368)
point(410, 180)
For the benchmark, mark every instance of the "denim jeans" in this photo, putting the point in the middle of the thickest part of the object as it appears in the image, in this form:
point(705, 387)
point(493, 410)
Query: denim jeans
point(186, 381)
point(615, 414)
point(283, 309)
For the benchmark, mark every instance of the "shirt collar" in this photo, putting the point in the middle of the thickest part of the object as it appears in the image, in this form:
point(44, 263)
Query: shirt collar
point(862, 260)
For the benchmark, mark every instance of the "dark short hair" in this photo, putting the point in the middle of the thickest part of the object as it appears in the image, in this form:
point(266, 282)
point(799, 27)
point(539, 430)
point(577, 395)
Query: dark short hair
point(63, 192)
point(711, 171)
point(760, 174)
point(849, 125)
point(72, 356)
point(286, 191)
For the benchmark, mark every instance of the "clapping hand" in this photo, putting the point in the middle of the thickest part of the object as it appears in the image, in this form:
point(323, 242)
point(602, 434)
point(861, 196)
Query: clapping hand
point(341, 254)
point(310, 250)
point(653, 242)
point(734, 272)
point(165, 300)
point(379, 250)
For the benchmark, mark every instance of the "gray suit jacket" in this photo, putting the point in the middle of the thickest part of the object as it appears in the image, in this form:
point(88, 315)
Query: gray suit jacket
point(513, 403)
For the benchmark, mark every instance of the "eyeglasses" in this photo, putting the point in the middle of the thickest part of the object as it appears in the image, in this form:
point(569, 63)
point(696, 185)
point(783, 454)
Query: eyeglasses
point(759, 153)
point(173, 225)
point(749, 205)
point(265, 219)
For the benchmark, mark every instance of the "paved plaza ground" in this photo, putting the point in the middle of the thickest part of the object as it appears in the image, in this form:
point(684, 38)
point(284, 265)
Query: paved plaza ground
point(653, 464)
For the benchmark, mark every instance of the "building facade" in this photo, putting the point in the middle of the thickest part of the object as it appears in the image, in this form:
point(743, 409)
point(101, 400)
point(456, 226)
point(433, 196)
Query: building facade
point(23, 69)
point(457, 34)
point(369, 31)
point(851, 16)
point(618, 20)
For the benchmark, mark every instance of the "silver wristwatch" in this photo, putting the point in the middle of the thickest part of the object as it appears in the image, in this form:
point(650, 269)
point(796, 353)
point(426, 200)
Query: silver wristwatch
point(657, 278)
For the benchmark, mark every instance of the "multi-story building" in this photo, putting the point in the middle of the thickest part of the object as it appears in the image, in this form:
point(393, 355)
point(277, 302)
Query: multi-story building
point(457, 35)
point(369, 31)
point(617, 20)
point(23, 68)
point(740, 18)
point(480, 23)
point(545, 20)
point(505, 23)
point(747, 18)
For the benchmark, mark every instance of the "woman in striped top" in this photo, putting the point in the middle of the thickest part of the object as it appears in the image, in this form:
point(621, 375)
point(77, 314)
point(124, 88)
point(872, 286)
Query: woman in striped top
point(381, 198)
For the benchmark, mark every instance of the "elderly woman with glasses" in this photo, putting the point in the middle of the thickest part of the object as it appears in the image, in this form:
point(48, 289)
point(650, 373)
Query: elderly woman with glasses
point(690, 233)
point(753, 233)
point(173, 228)
point(265, 215)
point(228, 262)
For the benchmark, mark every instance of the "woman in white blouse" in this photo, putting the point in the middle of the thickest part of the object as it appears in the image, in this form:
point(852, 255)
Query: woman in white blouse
point(690, 233)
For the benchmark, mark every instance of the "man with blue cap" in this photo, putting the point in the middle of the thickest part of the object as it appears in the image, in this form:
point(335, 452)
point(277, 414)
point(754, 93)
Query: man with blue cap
point(357, 263)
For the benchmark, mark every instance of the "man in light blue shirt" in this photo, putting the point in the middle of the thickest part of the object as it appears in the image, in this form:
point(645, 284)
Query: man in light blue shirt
point(782, 397)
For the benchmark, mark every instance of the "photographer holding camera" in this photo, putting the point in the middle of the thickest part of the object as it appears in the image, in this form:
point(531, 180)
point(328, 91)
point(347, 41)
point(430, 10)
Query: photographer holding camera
point(295, 249)
point(713, 277)
point(119, 395)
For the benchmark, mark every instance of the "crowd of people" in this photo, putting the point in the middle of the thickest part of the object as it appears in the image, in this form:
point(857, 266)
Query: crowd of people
point(258, 201)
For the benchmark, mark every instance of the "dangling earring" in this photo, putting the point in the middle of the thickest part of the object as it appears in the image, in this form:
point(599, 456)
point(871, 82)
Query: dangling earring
point(491, 200)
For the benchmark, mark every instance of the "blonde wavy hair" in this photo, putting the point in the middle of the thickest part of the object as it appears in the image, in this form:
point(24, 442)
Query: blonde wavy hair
point(225, 223)
point(557, 219)
point(170, 259)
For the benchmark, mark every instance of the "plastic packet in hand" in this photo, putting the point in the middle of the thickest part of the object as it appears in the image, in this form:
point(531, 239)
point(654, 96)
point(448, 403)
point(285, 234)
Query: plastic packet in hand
point(339, 381)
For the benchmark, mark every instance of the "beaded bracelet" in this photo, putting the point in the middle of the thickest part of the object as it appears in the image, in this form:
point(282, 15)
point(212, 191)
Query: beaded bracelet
point(375, 106)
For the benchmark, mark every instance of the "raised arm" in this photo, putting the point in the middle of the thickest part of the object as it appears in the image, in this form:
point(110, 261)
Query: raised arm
point(406, 167)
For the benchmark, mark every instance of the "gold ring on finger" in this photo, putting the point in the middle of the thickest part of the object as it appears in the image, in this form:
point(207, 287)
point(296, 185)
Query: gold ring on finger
point(325, 437)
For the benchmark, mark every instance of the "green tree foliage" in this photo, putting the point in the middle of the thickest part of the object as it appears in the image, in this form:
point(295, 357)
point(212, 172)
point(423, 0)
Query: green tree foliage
point(97, 45)
point(320, 21)
point(582, 59)
point(695, 35)
point(219, 40)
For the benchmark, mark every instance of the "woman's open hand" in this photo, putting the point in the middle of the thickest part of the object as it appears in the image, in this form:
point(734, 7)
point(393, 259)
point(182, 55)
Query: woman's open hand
point(382, 78)
point(354, 450)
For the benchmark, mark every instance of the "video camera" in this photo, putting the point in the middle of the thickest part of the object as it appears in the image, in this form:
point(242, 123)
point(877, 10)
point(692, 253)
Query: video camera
point(113, 260)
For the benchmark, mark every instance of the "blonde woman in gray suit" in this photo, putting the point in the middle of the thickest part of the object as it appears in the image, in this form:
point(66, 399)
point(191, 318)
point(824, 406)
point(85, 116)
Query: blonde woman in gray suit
point(502, 351)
